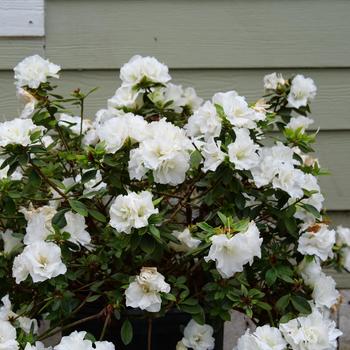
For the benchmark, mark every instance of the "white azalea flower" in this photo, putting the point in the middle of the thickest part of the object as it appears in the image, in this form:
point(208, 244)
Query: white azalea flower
point(272, 80)
point(289, 180)
point(34, 70)
point(324, 291)
point(38, 346)
point(312, 332)
point(264, 338)
point(343, 235)
point(165, 151)
point(15, 176)
point(139, 68)
point(198, 337)
point(187, 242)
point(40, 260)
point(76, 227)
point(39, 224)
point(310, 271)
point(117, 130)
point(231, 254)
point(28, 101)
point(170, 93)
point(299, 122)
point(8, 336)
point(126, 96)
point(74, 341)
point(144, 292)
point(316, 199)
point(345, 258)
point(242, 152)
point(11, 242)
point(131, 211)
point(318, 240)
point(204, 122)
point(17, 131)
point(6, 314)
point(301, 92)
point(191, 99)
point(271, 159)
point(236, 109)
point(343, 238)
point(213, 156)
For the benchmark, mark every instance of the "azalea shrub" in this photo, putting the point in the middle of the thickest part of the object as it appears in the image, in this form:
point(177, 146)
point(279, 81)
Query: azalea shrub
point(163, 201)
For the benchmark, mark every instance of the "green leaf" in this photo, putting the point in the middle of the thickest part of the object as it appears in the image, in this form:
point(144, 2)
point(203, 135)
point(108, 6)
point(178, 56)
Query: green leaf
point(311, 209)
point(196, 159)
point(270, 277)
point(148, 244)
point(205, 227)
point(92, 298)
point(97, 215)
point(291, 225)
point(264, 306)
point(222, 217)
point(283, 302)
point(126, 332)
point(241, 225)
point(88, 175)
point(78, 207)
point(59, 220)
point(300, 304)
point(155, 233)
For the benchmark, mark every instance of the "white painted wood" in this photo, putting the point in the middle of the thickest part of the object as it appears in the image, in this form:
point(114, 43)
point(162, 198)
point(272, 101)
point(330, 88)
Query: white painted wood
point(22, 18)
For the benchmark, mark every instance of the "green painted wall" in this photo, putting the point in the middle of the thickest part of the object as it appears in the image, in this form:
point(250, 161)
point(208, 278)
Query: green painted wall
point(210, 44)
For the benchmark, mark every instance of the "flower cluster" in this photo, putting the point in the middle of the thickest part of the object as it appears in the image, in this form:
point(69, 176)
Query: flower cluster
point(165, 202)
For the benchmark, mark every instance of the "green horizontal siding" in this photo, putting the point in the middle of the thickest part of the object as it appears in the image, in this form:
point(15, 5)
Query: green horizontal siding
point(200, 33)
point(14, 49)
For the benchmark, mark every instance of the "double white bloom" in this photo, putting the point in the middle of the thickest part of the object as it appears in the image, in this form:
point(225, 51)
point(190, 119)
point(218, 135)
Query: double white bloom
point(187, 242)
point(343, 239)
point(301, 92)
point(8, 336)
point(231, 254)
point(197, 337)
point(242, 152)
point(317, 240)
point(77, 341)
point(324, 292)
point(34, 70)
point(264, 338)
point(165, 151)
point(312, 332)
point(131, 211)
point(237, 111)
point(17, 131)
point(116, 131)
point(143, 68)
point(6, 314)
point(40, 260)
point(144, 292)
point(204, 122)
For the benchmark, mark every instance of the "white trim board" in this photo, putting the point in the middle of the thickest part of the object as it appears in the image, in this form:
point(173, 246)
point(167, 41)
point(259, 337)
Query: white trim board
point(22, 18)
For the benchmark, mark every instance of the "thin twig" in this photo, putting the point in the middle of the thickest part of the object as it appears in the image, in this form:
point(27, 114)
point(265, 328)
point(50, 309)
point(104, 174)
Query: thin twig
point(149, 334)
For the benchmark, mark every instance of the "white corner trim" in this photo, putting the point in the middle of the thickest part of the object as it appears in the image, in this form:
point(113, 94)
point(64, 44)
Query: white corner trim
point(22, 18)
